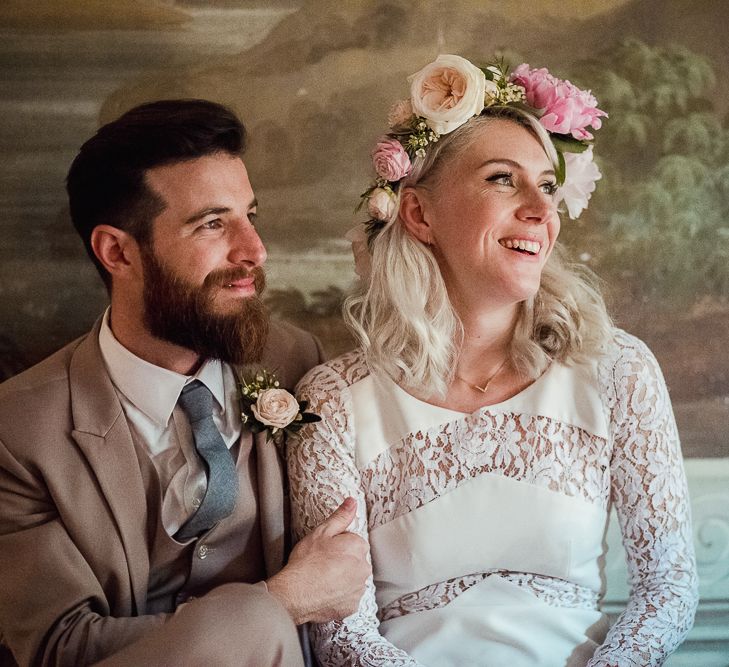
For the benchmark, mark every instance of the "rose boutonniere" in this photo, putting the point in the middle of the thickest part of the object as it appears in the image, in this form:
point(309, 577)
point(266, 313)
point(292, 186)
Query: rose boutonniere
point(267, 407)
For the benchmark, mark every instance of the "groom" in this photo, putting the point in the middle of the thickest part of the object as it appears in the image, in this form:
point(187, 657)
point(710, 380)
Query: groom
point(104, 459)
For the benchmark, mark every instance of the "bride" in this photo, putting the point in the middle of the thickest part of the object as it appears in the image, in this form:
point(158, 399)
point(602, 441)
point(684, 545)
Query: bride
point(492, 415)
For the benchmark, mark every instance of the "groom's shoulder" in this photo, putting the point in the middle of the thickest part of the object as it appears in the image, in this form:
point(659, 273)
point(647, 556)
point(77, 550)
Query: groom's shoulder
point(36, 403)
point(49, 375)
point(290, 352)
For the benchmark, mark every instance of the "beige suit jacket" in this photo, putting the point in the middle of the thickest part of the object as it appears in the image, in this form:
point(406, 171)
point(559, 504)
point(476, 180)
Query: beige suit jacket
point(73, 511)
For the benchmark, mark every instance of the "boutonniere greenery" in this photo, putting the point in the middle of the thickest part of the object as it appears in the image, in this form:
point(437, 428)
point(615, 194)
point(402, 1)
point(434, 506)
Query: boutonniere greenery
point(267, 407)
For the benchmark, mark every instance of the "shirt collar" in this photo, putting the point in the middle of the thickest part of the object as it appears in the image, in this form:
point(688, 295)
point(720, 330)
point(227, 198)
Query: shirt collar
point(152, 389)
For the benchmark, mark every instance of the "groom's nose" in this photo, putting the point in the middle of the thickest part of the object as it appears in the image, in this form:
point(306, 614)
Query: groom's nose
point(246, 247)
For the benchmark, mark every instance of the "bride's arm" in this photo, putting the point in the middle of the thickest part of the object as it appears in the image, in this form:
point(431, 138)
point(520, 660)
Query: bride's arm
point(322, 472)
point(648, 489)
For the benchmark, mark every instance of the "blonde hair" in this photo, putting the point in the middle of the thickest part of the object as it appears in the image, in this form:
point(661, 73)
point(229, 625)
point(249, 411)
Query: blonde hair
point(405, 322)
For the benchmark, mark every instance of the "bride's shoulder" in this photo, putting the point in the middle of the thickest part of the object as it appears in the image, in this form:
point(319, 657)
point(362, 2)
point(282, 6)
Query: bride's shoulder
point(627, 368)
point(624, 348)
point(338, 373)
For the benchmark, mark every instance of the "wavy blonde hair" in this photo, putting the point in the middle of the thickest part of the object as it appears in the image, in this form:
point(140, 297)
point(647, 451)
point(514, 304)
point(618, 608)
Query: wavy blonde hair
point(405, 322)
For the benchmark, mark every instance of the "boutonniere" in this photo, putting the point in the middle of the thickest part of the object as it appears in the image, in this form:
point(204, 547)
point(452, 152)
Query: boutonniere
point(267, 407)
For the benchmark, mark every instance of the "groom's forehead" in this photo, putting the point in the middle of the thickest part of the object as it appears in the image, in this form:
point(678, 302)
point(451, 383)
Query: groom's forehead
point(211, 182)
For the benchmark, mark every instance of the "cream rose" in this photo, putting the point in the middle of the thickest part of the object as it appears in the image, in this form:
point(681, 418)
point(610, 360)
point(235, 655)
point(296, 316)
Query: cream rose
point(381, 205)
point(447, 92)
point(275, 407)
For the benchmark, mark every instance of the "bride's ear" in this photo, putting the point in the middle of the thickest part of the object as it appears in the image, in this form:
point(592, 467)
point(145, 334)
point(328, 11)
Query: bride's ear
point(414, 214)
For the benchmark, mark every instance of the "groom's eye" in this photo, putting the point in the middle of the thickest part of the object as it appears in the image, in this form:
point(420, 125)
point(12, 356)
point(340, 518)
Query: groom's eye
point(212, 224)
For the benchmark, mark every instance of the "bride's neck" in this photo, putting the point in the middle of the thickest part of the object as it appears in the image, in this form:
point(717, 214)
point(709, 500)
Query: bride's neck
point(486, 338)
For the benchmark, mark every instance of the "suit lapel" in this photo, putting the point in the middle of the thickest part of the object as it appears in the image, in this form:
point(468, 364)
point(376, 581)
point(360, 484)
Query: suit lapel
point(103, 435)
point(270, 502)
point(278, 357)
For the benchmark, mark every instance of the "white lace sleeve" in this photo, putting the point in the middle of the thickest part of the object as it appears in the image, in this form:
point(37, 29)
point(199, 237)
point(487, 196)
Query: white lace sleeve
point(648, 489)
point(322, 473)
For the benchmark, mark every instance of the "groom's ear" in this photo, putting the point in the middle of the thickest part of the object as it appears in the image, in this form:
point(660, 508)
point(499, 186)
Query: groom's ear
point(414, 214)
point(117, 250)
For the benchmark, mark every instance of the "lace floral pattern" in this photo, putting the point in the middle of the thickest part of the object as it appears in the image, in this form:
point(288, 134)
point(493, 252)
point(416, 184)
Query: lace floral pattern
point(555, 592)
point(321, 478)
point(637, 469)
point(527, 448)
point(651, 498)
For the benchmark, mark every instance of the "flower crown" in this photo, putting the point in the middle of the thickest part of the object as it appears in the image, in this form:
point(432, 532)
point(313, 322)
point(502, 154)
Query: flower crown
point(448, 92)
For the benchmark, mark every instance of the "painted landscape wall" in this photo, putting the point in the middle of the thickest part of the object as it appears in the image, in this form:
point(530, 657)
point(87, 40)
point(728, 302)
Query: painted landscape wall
point(313, 82)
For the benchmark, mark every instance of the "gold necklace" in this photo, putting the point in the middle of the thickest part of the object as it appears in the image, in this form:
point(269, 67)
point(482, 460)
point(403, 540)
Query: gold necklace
point(485, 388)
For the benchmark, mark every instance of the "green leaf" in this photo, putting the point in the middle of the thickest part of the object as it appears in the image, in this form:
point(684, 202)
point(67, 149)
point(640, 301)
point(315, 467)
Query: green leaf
point(309, 418)
point(566, 143)
point(561, 168)
point(364, 197)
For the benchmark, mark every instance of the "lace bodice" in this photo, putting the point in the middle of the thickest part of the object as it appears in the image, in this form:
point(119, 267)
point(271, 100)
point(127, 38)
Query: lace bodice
point(624, 453)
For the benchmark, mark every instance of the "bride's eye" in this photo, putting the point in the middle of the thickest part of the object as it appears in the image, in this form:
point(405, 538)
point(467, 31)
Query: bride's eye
point(549, 187)
point(501, 178)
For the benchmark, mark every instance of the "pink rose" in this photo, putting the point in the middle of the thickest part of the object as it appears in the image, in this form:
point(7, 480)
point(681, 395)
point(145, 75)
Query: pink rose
point(567, 109)
point(447, 92)
point(581, 174)
point(390, 159)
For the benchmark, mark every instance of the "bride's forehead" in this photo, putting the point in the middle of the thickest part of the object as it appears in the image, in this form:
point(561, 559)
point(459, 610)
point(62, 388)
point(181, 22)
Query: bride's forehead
point(500, 133)
point(501, 139)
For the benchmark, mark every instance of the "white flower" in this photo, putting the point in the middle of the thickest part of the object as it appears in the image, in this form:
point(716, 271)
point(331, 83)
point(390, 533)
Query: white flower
point(447, 92)
point(581, 174)
point(381, 205)
point(275, 407)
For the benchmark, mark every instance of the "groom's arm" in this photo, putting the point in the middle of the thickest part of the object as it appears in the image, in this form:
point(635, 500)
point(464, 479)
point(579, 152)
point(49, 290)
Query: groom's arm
point(53, 609)
point(326, 573)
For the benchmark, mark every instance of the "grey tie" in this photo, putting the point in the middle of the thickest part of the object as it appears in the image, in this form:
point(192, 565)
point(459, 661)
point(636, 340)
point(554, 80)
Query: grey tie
point(222, 491)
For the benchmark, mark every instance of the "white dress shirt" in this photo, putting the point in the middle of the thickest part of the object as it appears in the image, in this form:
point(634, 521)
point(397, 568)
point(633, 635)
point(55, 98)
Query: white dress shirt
point(149, 396)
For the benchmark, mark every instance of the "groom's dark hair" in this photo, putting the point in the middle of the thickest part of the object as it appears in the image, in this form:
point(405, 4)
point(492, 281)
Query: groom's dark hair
point(106, 183)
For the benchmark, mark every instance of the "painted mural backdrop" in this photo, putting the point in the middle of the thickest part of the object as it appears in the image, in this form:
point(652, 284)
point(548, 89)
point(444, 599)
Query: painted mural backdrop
point(313, 82)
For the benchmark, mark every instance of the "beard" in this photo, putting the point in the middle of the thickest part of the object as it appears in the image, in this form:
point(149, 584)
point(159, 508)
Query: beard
point(185, 314)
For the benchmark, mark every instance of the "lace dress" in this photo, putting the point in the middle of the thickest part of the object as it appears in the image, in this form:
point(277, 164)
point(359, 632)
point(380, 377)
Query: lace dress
point(486, 530)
